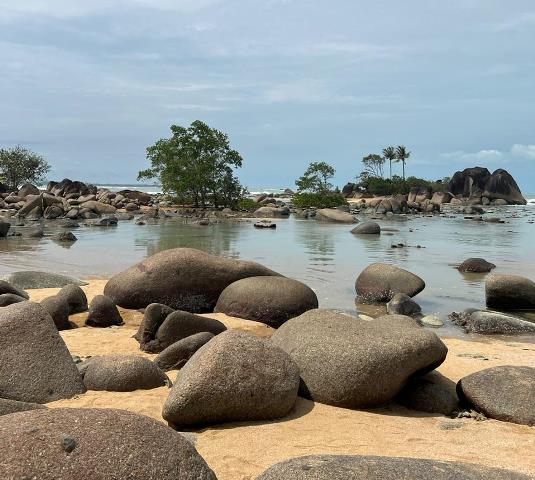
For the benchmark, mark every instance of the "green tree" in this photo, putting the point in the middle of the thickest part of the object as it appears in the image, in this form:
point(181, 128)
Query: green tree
point(19, 165)
point(197, 164)
point(373, 165)
point(402, 155)
point(390, 154)
point(316, 178)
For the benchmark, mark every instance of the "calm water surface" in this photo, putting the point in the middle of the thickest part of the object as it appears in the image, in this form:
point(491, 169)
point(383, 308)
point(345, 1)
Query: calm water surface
point(327, 257)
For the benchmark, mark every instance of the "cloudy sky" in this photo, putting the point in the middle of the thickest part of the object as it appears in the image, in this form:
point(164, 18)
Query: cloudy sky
point(90, 84)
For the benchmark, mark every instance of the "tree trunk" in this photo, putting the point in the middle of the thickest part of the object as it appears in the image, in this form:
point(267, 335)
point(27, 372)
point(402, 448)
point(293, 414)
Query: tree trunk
point(390, 169)
point(403, 162)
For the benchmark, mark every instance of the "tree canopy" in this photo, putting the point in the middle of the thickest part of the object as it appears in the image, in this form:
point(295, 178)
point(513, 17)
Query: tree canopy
point(19, 165)
point(373, 165)
point(197, 164)
point(316, 178)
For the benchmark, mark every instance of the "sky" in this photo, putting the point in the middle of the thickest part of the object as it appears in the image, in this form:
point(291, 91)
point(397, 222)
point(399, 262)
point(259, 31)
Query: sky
point(90, 84)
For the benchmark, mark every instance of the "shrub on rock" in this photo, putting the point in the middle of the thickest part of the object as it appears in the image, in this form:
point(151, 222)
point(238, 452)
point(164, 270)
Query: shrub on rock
point(353, 363)
point(234, 377)
point(270, 300)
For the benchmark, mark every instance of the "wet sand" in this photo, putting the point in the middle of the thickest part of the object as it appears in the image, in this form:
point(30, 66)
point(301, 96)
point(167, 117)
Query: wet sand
point(243, 450)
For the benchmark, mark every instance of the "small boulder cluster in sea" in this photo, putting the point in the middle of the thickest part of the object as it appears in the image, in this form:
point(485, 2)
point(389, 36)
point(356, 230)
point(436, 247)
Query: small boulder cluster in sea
point(228, 375)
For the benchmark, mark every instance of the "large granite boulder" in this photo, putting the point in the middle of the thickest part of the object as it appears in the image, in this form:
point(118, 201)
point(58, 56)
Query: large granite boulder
point(509, 292)
point(419, 194)
point(272, 212)
point(28, 279)
point(75, 298)
point(35, 364)
point(469, 183)
point(28, 189)
point(504, 393)
point(491, 323)
point(234, 377)
point(68, 186)
point(353, 363)
point(475, 265)
point(334, 215)
point(179, 325)
point(402, 304)
point(58, 308)
point(379, 282)
point(502, 186)
point(270, 300)
point(153, 317)
point(367, 228)
point(10, 298)
point(95, 444)
point(122, 373)
point(175, 356)
point(13, 406)
point(103, 313)
point(356, 467)
point(182, 278)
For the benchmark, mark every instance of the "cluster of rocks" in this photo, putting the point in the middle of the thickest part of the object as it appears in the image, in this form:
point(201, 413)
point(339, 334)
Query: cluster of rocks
point(72, 200)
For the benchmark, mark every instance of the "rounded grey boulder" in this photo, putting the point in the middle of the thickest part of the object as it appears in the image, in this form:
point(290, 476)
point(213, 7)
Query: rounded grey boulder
point(182, 278)
point(356, 467)
point(58, 308)
point(75, 298)
point(176, 355)
point(35, 364)
point(270, 300)
point(122, 373)
point(367, 228)
point(103, 313)
point(10, 298)
point(402, 304)
point(379, 282)
point(334, 215)
point(475, 265)
point(32, 279)
point(504, 393)
point(153, 317)
point(509, 292)
point(95, 444)
point(6, 287)
point(234, 377)
point(488, 322)
point(179, 325)
point(348, 362)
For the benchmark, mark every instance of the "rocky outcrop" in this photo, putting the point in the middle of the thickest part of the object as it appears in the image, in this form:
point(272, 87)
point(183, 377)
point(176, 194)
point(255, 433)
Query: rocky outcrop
point(270, 300)
point(182, 278)
point(504, 393)
point(355, 467)
point(234, 377)
point(348, 362)
point(95, 444)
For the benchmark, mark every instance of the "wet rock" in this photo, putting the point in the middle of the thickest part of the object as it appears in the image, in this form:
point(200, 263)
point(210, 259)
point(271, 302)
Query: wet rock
point(272, 212)
point(488, 322)
point(66, 237)
point(509, 292)
point(58, 308)
point(110, 221)
point(334, 215)
point(75, 298)
point(179, 325)
point(176, 355)
point(122, 373)
point(103, 444)
point(182, 278)
point(234, 377)
point(402, 304)
point(36, 365)
point(103, 313)
point(367, 228)
point(504, 393)
point(13, 406)
point(33, 279)
point(270, 300)
point(476, 265)
point(352, 363)
point(431, 321)
point(379, 282)
point(355, 467)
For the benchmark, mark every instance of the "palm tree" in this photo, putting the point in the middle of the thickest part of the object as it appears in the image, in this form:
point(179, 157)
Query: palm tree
point(402, 155)
point(390, 154)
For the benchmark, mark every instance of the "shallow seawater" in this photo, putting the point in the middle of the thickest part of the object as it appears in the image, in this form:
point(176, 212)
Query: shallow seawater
point(327, 257)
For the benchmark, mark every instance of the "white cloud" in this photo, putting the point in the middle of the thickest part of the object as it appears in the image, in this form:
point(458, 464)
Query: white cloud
point(526, 151)
point(517, 152)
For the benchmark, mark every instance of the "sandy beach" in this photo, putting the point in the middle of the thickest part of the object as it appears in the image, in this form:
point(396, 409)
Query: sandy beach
point(243, 450)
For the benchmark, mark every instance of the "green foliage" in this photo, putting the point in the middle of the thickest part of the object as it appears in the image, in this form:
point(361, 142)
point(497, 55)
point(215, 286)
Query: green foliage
point(397, 185)
point(197, 165)
point(316, 178)
point(246, 205)
point(402, 155)
point(318, 200)
point(19, 165)
point(390, 154)
point(373, 164)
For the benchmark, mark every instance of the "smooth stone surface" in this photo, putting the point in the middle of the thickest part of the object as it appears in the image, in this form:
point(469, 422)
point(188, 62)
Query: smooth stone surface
point(122, 373)
point(355, 467)
point(181, 278)
point(487, 322)
point(379, 282)
point(431, 320)
point(476, 265)
point(33, 279)
point(509, 292)
point(334, 215)
point(353, 363)
point(58, 309)
point(270, 300)
point(10, 298)
point(6, 287)
point(234, 377)
point(35, 364)
point(75, 298)
point(402, 304)
point(103, 313)
point(153, 317)
point(95, 444)
point(367, 228)
point(13, 406)
point(504, 393)
point(175, 356)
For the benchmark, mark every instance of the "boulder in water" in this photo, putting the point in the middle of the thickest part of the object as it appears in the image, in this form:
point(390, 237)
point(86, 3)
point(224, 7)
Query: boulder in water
point(509, 292)
point(334, 215)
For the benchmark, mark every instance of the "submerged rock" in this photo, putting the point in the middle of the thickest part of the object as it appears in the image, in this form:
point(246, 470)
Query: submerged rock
point(476, 265)
point(367, 228)
point(402, 304)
